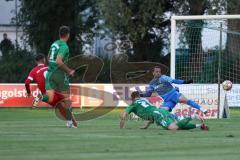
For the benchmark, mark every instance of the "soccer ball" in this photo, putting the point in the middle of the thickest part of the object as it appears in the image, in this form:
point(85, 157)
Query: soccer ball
point(227, 85)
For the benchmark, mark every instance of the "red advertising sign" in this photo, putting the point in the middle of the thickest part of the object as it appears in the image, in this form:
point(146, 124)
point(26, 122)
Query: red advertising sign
point(15, 95)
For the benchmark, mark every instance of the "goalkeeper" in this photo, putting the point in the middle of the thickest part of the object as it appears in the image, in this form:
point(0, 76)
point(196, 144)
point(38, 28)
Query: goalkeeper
point(162, 84)
point(145, 110)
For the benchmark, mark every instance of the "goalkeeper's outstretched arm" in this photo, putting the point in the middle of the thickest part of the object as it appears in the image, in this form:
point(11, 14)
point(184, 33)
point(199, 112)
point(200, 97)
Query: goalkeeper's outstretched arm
point(179, 81)
point(175, 81)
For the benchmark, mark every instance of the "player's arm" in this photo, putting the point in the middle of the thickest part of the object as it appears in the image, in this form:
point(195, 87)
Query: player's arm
point(123, 118)
point(147, 125)
point(124, 115)
point(29, 79)
point(175, 81)
point(63, 66)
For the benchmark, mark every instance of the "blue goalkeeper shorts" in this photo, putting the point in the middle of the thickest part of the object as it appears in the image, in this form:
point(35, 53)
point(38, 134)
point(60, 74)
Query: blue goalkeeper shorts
point(171, 99)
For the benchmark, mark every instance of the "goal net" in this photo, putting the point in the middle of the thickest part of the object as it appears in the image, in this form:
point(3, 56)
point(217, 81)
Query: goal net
point(207, 50)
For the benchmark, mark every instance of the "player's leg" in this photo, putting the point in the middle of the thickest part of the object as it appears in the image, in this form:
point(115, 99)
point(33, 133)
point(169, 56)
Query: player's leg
point(59, 103)
point(65, 109)
point(42, 88)
point(54, 84)
point(62, 103)
point(47, 91)
point(62, 110)
point(162, 117)
point(38, 98)
point(168, 105)
point(183, 99)
point(171, 100)
point(65, 90)
point(57, 97)
point(50, 95)
point(184, 124)
point(173, 126)
point(60, 84)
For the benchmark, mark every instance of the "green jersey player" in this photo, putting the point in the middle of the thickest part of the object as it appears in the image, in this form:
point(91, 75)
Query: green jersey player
point(145, 110)
point(57, 79)
point(58, 71)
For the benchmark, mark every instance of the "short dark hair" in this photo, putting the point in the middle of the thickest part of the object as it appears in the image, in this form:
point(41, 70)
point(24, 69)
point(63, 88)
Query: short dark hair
point(39, 57)
point(63, 31)
point(135, 94)
point(156, 67)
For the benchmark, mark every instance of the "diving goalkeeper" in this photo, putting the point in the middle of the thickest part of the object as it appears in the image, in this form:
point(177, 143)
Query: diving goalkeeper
point(162, 84)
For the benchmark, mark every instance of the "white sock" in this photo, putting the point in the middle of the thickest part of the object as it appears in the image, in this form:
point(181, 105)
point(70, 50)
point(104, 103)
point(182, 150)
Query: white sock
point(198, 125)
point(69, 123)
point(203, 109)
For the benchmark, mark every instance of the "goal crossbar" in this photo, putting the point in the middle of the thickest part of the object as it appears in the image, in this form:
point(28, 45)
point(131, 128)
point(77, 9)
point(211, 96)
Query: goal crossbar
point(204, 17)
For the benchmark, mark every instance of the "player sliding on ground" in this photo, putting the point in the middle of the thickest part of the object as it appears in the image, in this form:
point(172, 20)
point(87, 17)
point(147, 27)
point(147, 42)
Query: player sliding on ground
point(145, 110)
point(162, 84)
point(57, 80)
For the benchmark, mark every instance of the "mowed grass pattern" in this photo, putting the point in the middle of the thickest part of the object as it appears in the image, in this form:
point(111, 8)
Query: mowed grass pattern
point(27, 134)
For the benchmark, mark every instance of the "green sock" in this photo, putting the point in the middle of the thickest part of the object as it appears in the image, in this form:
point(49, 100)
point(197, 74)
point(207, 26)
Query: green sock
point(189, 126)
point(69, 113)
point(45, 98)
point(183, 124)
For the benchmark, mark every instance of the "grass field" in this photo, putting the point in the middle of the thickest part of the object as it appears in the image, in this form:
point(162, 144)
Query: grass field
point(27, 134)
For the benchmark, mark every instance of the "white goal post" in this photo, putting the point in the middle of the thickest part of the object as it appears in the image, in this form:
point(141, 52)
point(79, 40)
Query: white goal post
point(221, 67)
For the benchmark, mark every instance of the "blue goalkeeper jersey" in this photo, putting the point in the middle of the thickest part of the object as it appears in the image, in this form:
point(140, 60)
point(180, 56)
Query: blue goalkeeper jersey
point(162, 86)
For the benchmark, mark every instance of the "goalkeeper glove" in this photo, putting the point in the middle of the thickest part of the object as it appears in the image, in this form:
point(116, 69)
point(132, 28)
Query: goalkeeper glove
point(188, 81)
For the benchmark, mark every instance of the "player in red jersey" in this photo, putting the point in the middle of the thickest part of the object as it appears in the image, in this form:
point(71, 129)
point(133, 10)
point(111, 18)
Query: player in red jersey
point(38, 75)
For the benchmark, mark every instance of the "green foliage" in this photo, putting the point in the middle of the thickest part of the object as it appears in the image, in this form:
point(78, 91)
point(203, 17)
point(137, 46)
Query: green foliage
point(15, 67)
point(143, 22)
point(233, 6)
point(41, 20)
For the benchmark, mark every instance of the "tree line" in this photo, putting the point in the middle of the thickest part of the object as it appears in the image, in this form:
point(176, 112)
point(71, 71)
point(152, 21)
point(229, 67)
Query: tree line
point(146, 23)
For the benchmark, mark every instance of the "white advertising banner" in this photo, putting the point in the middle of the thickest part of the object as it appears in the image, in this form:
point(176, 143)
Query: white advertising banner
point(233, 96)
point(206, 95)
point(118, 95)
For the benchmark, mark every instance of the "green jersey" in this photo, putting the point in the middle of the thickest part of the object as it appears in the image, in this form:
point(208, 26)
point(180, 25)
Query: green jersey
point(145, 110)
point(56, 78)
point(142, 108)
point(58, 48)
